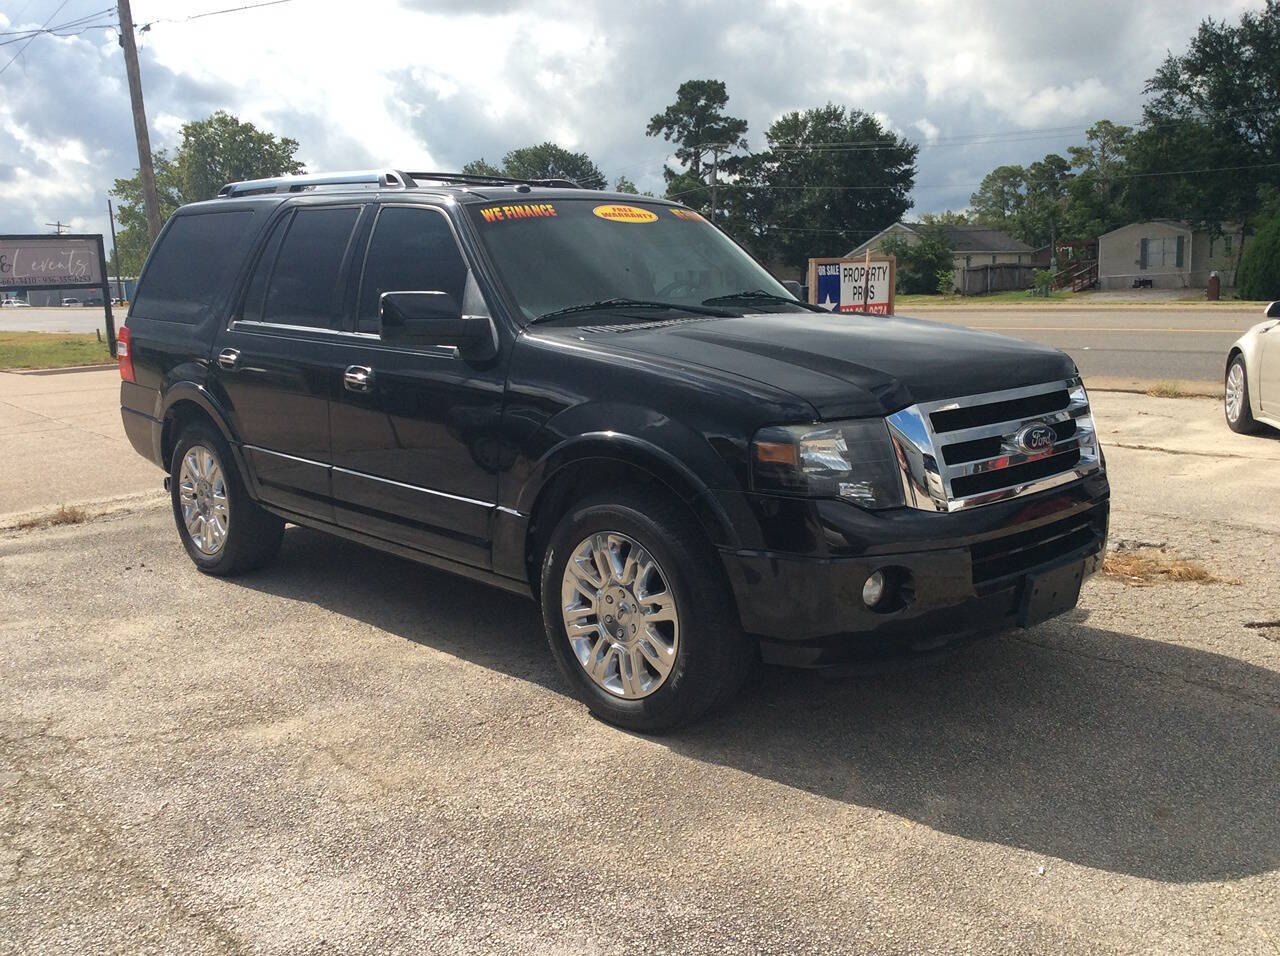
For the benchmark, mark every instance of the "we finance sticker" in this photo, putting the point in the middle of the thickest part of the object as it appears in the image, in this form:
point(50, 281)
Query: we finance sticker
point(688, 215)
point(617, 213)
point(520, 210)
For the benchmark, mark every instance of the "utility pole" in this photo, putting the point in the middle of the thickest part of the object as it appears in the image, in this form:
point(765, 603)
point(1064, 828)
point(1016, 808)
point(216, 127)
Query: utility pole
point(716, 150)
point(145, 171)
point(115, 248)
point(58, 227)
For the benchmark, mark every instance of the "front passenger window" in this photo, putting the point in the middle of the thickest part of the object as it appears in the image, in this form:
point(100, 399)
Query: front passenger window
point(412, 250)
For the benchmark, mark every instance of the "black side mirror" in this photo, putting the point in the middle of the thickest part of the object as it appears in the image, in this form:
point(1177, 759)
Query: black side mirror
point(435, 318)
point(1273, 310)
point(792, 286)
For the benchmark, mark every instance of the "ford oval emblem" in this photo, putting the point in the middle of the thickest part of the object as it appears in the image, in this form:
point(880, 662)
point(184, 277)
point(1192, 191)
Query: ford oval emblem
point(1035, 438)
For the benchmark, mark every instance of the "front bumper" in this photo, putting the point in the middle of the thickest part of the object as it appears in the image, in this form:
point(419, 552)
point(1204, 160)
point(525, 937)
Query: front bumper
point(970, 576)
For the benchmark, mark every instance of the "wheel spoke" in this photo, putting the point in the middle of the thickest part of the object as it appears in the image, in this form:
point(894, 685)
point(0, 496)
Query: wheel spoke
point(603, 558)
point(631, 671)
point(598, 663)
point(659, 656)
point(658, 607)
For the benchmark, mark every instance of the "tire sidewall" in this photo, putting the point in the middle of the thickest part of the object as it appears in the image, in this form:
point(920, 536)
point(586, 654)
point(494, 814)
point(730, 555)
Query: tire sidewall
point(1245, 422)
point(202, 435)
point(682, 689)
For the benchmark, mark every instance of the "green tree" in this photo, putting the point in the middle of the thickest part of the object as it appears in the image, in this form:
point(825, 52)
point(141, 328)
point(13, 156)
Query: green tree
point(1098, 198)
point(211, 153)
point(623, 185)
point(549, 161)
point(1000, 196)
point(810, 195)
point(481, 167)
point(923, 263)
point(1259, 274)
point(695, 122)
point(1213, 108)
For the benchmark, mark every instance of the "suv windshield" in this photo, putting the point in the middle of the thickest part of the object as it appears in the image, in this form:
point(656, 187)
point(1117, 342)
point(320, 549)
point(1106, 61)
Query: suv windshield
point(565, 255)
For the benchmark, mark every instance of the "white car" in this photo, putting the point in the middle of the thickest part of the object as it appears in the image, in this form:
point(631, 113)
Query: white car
point(1253, 376)
point(15, 304)
point(70, 301)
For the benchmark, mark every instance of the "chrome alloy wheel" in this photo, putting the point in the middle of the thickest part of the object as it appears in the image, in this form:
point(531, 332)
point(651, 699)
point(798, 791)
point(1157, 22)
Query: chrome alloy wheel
point(202, 490)
point(1235, 391)
point(620, 615)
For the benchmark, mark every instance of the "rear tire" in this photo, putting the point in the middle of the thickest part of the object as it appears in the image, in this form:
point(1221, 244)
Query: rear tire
point(224, 531)
point(667, 580)
point(1235, 402)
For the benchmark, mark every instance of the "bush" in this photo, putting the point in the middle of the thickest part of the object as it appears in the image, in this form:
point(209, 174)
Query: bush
point(1259, 276)
point(946, 281)
point(920, 262)
point(1042, 280)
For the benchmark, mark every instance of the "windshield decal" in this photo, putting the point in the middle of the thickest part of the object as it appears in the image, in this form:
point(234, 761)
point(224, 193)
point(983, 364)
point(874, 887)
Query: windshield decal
point(526, 210)
point(688, 215)
point(619, 213)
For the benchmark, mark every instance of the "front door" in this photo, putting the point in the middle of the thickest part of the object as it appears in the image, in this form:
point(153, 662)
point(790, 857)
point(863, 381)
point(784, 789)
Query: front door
point(414, 430)
point(279, 363)
point(1268, 378)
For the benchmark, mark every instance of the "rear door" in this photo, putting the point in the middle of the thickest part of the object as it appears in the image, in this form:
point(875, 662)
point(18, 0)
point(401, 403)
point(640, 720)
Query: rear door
point(416, 441)
point(279, 362)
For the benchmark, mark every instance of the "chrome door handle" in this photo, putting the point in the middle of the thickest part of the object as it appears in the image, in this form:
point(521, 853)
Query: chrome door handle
point(228, 358)
point(357, 378)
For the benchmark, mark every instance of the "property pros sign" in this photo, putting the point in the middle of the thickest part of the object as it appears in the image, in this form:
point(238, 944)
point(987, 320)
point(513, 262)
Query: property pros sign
point(853, 285)
point(51, 262)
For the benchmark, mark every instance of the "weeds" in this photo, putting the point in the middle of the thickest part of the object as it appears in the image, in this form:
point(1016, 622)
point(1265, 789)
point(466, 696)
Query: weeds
point(1146, 566)
point(65, 514)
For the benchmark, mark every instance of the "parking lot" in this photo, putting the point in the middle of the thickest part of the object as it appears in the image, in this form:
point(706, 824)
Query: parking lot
point(351, 753)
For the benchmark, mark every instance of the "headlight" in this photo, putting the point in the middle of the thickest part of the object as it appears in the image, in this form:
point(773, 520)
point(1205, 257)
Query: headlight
point(853, 460)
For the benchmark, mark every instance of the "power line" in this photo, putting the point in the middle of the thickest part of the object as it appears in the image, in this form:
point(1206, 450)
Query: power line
point(915, 186)
point(29, 39)
point(213, 13)
point(47, 29)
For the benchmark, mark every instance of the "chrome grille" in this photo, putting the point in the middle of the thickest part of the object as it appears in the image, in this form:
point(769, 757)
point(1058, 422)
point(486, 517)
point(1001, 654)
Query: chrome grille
point(965, 452)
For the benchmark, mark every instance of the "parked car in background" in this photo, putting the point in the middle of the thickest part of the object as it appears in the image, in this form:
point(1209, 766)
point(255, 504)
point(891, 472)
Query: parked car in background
point(1252, 394)
point(15, 304)
point(71, 301)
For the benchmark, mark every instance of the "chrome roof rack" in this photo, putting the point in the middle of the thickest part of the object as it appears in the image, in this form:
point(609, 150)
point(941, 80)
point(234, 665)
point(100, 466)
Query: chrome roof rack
point(379, 178)
point(470, 179)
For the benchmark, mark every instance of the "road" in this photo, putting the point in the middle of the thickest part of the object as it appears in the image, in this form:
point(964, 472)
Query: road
point(57, 319)
point(1121, 345)
point(347, 752)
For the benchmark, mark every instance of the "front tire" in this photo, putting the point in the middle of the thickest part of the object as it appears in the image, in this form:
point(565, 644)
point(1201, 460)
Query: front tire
point(1235, 400)
point(223, 530)
point(638, 612)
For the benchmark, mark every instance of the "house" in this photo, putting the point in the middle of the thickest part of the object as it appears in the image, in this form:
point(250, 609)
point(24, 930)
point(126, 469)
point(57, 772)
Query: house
point(1166, 254)
point(974, 249)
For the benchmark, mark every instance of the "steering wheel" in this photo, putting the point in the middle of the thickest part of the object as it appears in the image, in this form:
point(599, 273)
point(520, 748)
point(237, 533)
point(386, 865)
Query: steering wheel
point(679, 289)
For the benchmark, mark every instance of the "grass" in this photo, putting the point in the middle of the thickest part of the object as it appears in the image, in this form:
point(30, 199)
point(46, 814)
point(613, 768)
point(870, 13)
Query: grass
point(1146, 566)
point(1171, 390)
point(65, 514)
point(1019, 296)
point(51, 350)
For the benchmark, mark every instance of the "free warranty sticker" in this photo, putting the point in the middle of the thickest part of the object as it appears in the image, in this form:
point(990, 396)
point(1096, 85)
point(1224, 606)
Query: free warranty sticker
point(618, 213)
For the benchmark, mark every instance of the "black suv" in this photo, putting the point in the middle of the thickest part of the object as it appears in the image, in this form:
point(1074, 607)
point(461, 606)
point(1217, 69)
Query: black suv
point(601, 402)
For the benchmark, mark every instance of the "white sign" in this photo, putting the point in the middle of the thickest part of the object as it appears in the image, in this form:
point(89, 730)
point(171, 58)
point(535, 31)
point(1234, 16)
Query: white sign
point(51, 261)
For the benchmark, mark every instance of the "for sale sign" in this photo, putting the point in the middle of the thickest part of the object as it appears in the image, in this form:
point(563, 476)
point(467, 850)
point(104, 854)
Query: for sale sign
point(853, 285)
point(51, 262)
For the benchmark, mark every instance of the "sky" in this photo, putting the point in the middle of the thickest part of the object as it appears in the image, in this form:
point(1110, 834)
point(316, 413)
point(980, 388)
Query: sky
point(431, 84)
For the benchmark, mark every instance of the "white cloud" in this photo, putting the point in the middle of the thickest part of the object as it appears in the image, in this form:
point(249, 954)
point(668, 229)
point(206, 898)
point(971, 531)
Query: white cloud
point(434, 83)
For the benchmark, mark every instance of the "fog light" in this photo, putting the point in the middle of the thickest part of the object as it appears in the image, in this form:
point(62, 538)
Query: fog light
point(873, 589)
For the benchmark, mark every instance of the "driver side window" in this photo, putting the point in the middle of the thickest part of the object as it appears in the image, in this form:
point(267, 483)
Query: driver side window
point(412, 250)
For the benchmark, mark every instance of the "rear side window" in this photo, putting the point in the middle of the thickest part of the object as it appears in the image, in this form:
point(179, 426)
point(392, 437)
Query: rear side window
point(190, 267)
point(412, 250)
point(304, 285)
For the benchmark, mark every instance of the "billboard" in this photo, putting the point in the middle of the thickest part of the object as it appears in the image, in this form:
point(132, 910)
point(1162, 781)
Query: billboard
point(35, 263)
point(853, 285)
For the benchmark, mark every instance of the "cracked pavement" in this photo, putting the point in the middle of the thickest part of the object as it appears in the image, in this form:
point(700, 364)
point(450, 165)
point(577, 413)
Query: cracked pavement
point(351, 753)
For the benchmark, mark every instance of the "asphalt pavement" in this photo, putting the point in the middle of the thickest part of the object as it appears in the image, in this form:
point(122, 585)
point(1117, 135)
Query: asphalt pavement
point(1118, 345)
point(347, 752)
point(71, 318)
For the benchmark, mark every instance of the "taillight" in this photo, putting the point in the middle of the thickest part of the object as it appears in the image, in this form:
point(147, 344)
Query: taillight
point(124, 355)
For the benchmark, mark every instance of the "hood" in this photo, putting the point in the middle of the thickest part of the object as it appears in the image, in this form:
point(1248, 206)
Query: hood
point(847, 366)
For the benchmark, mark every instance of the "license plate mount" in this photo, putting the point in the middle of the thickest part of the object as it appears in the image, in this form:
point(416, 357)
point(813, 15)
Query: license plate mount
point(1050, 593)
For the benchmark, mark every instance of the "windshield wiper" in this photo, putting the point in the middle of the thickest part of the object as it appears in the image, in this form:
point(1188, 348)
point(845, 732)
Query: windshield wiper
point(625, 303)
point(761, 296)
